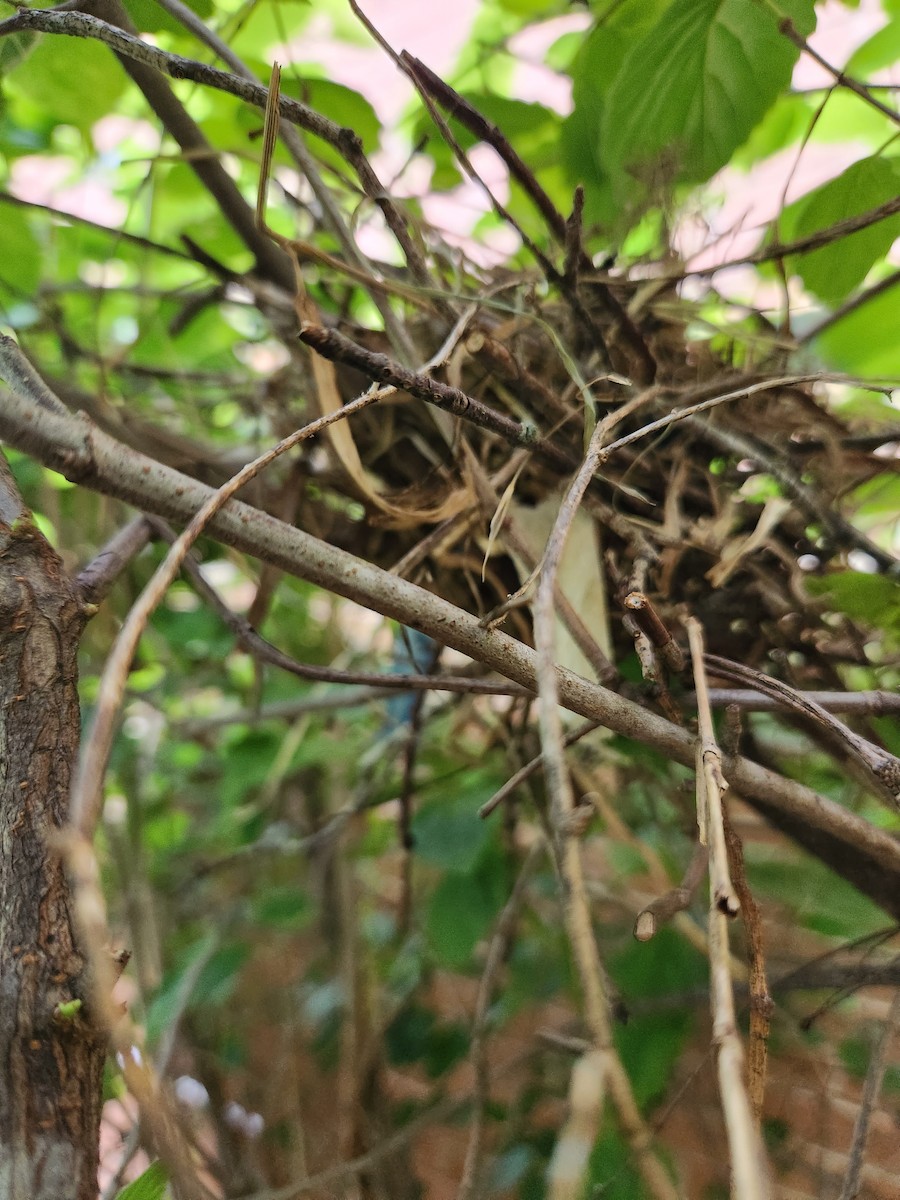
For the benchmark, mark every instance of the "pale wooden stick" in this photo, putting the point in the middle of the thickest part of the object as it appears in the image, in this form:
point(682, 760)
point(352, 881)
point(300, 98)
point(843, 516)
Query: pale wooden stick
point(750, 1177)
point(711, 783)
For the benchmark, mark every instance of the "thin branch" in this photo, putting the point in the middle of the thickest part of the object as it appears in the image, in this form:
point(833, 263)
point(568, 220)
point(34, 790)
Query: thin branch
point(761, 1003)
point(377, 683)
point(711, 783)
point(605, 1066)
point(871, 1088)
point(530, 768)
point(749, 1170)
point(875, 703)
point(692, 410)
point(96, 579)
point(651, 624)
point(804, 245)
point(87, 791)
point(498, 950)
point(345, 141)
point(132, 239)
point(850, 306)
point(883, 767)
point(565, 233)
point(664, 908)
point(76, 448)
point(338, 348)
point(789, 29)
point(567, 1173)
point(295, 146)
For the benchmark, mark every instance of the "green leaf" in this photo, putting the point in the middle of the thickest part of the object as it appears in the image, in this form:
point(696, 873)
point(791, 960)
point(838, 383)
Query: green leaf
point(820, 900)
point(855, 343)
point(691, 91)
point(448, 832)
point(460, 913)
point(283, 908)
point(15, 48)
point(20, 253)
point(153, 18)
point(341, 104)
point(149, 1186)
point(836, 269)
point(870, 599)
point(593, 74)
point(74, 80)
point(881, 50)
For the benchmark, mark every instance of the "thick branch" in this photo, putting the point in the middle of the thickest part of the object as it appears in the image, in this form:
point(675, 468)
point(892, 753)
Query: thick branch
point(81, 452)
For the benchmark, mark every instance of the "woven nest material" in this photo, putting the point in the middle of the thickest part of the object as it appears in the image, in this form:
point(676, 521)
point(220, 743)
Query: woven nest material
point(722, 513)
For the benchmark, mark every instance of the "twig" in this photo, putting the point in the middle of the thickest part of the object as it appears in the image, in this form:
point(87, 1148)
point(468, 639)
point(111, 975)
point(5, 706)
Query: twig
point(292, 140)
point(849, 306)
point(691, 410)
point(565, 233)
point(761, 1003)
point(572, 1152)
point(749, 1171)
point(711, 783)
point(650, 623)
point(87, 791)
point(530, 768)
point(377, 683)
point(789, 29)
point(338, 348)
point(674, 901)
point(871, 1088)
point(99, 575)
point(498, 950)
point(345, 141)
point(804, 245)
point(576, 906)
point(75, 447)
point(875, 703)
point(883, 767)
point(21, 376)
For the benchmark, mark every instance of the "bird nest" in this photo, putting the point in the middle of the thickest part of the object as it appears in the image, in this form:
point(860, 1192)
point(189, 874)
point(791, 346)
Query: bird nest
point(718, 487)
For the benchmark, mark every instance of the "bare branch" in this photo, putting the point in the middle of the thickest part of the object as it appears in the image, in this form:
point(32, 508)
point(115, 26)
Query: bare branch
point(99, 575)
point(871, 1088)
point(75, 447)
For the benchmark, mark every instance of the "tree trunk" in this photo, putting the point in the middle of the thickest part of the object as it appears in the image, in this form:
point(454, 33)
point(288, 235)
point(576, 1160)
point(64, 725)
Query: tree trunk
point(51, 1058)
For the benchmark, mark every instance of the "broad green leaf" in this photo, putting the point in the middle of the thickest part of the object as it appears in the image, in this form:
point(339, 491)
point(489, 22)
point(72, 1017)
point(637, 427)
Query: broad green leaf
point(461, 912)
point(338, 103)
point(872, 599)
point(153, 18)
point(832, 272)
point(149, 1186)
point(448, 832)
point(857, 343)
point(593, 73)
point(786, 122)
point(690, 92)
point(74, 80)
point(20, 253)
point(820, 900)
point(881, 50)
point(285, 908)
point(15, 48)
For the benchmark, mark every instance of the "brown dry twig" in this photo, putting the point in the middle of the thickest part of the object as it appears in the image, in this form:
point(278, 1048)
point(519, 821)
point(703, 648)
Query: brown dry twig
point(749, 1169)
point(664, 908)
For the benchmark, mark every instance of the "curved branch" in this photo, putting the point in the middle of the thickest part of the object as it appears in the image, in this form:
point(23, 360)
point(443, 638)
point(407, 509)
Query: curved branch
point(75, 447)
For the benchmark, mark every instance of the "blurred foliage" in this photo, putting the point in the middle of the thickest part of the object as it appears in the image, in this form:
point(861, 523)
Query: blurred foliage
point(267, 951)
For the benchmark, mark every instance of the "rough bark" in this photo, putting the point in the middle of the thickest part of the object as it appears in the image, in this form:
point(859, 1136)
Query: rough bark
point(51, 1060)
